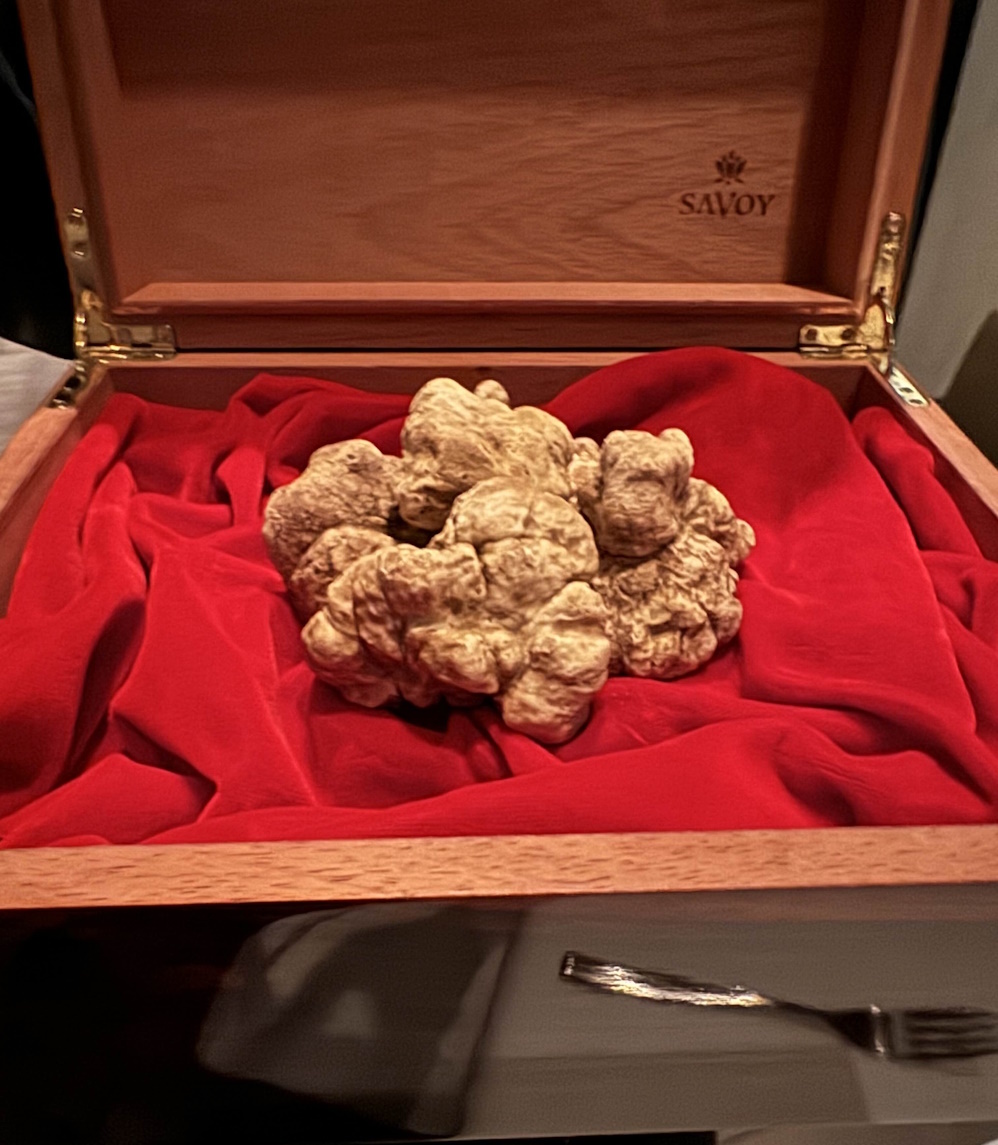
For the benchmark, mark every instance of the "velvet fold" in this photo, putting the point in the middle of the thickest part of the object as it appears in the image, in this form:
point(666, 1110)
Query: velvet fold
point(154, 687)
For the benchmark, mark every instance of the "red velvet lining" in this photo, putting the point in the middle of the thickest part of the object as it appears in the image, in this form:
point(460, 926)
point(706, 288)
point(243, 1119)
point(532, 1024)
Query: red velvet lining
point(155, 687)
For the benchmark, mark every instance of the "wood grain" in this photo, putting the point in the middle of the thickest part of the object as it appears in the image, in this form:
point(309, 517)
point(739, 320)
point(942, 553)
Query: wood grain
point(27, 448)
point(953, 445)
point(635, 328)
point(211, 315)
point(50, 83)
point(452, 141)
point(226, 156)
point(431, 297)
point(849, 241)
point(966, 474)
point(468, 867)
point(208, 380)
point(904, 133)
point(495, 867)
point(29, 465)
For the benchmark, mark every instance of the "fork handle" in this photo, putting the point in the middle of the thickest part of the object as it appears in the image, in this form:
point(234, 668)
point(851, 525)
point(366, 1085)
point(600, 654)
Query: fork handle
point(615, 978)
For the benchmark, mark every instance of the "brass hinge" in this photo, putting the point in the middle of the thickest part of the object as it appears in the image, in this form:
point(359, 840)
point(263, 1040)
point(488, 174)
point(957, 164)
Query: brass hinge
point(95, 339)
point(873, 338)
point(98, 340)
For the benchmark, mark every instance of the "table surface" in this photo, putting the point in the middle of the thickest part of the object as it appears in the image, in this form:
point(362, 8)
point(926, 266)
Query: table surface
point(26, 378)
point(586, 1062)
point(556, 1059)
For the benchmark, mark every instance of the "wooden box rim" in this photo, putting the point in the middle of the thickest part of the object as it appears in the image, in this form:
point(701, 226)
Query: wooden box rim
point(516, 866)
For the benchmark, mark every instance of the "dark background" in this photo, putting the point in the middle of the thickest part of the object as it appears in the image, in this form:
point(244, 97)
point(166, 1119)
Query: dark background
point(36, 307)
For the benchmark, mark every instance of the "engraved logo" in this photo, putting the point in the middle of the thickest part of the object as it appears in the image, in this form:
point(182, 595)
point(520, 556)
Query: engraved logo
point(730, 168)
point(729, 200)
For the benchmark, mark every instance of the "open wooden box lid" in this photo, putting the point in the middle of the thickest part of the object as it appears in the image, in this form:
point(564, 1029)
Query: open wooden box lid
point(461, 173)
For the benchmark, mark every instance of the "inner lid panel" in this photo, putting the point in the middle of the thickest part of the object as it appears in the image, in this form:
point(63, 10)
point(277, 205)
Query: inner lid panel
point(459, 141)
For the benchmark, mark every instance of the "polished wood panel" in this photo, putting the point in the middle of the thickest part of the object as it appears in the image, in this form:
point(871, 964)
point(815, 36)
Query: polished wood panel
point(427, 297)
point(962, 455)
point(213, 315)
point(27, 448)
point(28, 467)
point(224, 160)
point(368, 869)
point(448, 141)
point(63, 153)
point(610, 324)
point(966, 474)
point(208, 380)
point(903, 132)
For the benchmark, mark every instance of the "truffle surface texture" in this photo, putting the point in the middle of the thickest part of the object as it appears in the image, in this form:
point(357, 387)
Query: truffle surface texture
point(499, 558)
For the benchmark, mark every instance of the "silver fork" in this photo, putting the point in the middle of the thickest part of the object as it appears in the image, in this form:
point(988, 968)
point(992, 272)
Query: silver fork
point(945, 1032)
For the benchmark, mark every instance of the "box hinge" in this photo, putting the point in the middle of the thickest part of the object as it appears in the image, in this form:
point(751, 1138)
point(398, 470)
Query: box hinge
point(873, 338)
point(95, 339)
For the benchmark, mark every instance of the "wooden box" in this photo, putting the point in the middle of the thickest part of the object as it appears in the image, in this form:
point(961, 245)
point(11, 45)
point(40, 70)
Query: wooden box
point(520, 190)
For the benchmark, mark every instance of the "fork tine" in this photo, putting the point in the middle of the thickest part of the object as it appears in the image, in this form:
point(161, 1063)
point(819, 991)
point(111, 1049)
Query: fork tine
point(951, 1021)
point(951, 1042)
point(952, 1012)
point(957, 1049)
point(943, 1029)
point(950, 1038)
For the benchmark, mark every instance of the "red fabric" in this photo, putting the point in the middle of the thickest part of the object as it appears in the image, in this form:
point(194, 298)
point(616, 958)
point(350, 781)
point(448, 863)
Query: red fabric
point(155, 688)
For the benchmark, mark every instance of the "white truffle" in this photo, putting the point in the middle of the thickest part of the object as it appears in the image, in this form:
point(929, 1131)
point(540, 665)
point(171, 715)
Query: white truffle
point(500, 557)
point(633, 502)
point(349, 483)
point(329, 555)
point(668, 546)
point(496, 606)
point(567, 660)
point(452, 439)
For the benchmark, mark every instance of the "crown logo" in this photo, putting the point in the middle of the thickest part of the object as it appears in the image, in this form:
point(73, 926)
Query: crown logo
point(730, 168)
